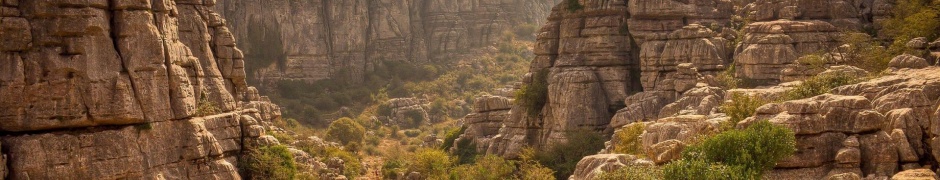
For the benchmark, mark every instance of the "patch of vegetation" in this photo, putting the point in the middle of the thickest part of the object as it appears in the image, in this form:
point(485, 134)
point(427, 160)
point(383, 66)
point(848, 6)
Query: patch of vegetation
point(727, 80)
point(864, 52)
point(431, 163)
point(530, 169)
point(633, 173)
point(534, 95)
point(414, 119)
point(818, 85)
point(283, 138)
point(574, 5)
point(412, 133)
point(352, 166)
point(488, 167)
point(466, 151)
point(452, 135)
point(563, 157)
point(270, 162)
point(630, 142)
point(735, 154)
point(144, 126)
point(206, 107)
point(345, 131)
point(741, 107)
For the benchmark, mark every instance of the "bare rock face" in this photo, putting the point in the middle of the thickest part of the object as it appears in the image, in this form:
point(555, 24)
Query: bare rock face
point(407, 109)
point(869, 129)
point(111, 90)
point(768, 47)
point(700, 47)
point(915, 174)
point(320, 39)
point(908, 61)
point(592, 166)
point(664, 139)
point(656, 18)
point(846, 14)
point(487, 117)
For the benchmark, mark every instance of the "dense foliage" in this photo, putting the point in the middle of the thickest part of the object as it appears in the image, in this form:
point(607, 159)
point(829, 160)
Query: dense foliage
point(534, 95)
point(735, 154)
point(633, 173)
point(563, 157)
point(345, 131)
point(818, 85)
point(270, 162)
point(629, 140)
point(488, 167)
point(741, 107)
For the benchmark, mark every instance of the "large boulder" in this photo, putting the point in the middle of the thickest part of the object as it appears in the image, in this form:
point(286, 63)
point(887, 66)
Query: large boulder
point(592, 166)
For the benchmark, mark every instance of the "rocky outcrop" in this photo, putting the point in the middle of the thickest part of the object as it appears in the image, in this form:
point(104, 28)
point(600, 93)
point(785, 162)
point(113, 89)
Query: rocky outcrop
point(406, 111)
point(592, 166)
point(664, 139)
point(769, 47)
point(144, 89)
point(847, 14)
point(320, 39)
point(487, 117)
point(690, 51)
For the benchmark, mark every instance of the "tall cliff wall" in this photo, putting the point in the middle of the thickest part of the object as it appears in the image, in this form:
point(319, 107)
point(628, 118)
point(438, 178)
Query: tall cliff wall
point(318, 39)
point(119, 89)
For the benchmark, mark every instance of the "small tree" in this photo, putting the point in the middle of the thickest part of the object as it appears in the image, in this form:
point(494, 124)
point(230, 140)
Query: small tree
point(346, 131)
point(741, 107)
point(270, 162)
point(563, 157)
point(629, 139)
point(534, 95)
point(745, 154)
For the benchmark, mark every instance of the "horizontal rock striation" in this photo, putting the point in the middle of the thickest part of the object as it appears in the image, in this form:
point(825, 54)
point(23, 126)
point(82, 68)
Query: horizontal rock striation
point(123, 89)
point(310, 40)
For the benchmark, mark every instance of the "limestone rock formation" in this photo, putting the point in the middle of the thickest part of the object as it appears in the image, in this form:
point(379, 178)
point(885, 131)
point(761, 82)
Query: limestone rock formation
point(591, 166)
point(310, 40)
point(143, 89)
point(768, 47)
point(688, 51)
point(405, 111)
point(487, 117)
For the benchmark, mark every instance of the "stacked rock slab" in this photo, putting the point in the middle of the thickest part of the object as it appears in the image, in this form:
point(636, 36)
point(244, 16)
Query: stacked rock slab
point(876, 128)
point(110, 89)
point(318, 39)
point(768, 47)
point(845, 14)
point(488, 115)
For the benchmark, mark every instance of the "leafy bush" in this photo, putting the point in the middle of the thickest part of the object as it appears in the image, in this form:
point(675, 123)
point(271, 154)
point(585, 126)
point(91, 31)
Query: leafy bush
point(206, 107)
point(414, 119)
point(392, 168)
point(864, 52)
point(574, 5)
point(488, 167)
point(452, 135)
point(563, 157)
point(466, 151)
point(727, 80)
point(352, 166)
point(741, 107)
point(412, 133)
point(630, 142)
point(534, 95)
point(818, 85)
point(530, 169)
point(735, 154)
point(431, 163)
point(270, 162)
point(699, 169)
point(345, 131)
point(633, 173)
point(283, 138)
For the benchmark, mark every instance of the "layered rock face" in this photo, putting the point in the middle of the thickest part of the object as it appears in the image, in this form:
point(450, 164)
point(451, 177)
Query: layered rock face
point(112, 90)
point(769, 47)
point(320, 39)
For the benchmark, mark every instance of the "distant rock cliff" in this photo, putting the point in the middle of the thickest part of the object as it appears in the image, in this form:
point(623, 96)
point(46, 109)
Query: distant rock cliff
point(123, 89)
point(318, 39)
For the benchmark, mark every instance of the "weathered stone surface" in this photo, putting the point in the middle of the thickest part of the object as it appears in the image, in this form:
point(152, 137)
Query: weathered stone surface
point(197, 148)
point(697, 101)
point(660, 59)
point(592, 166)
point(488, 115)
point(665, 139)
point(641, 107)
point(908, 61)
point(404, 111)
point(768, 47)
point(916, 174)
point(320, 39)
point(846, 14)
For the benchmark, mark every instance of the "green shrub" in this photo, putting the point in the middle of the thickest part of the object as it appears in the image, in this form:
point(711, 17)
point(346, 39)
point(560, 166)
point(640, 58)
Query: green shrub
point(741, 107)
point(414, 119)
point(488, 167)
point(699, 169)
point(452, 135)
point(270, 162)
point(530, 169)
point(563, 157)
point(574, 5)
point(630, 142)
point(144, 126)
point(818, 85)
point(727, 80)
point(747, 152)
point(466, 151)
point(431, 163)
point(206, 107)
point(283, 138)
point(345, 131)
point(412, 133)
point(392, 168)
point(633, 173)
point(534, 95)
point(864, 52)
